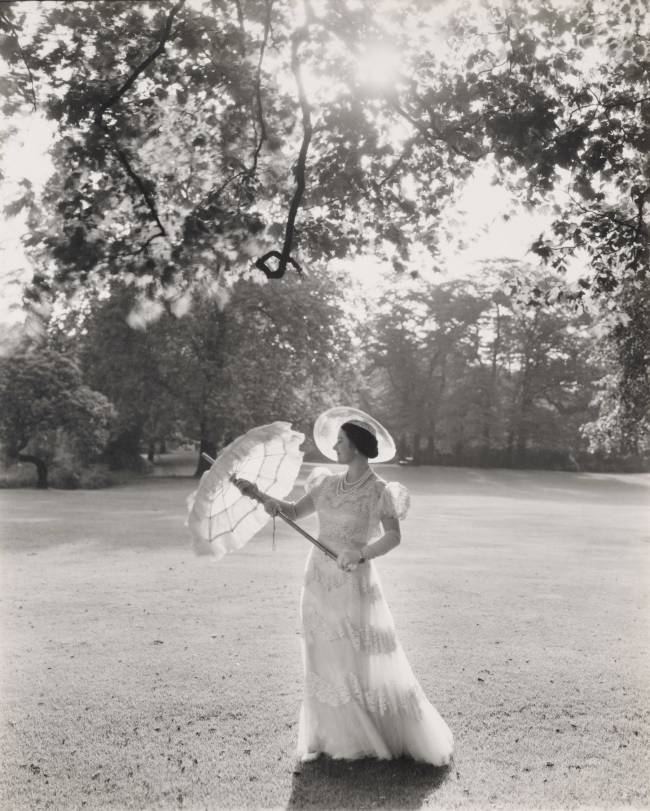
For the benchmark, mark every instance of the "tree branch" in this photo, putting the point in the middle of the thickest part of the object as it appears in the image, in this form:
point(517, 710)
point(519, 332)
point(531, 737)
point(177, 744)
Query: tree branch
point(124, 87)
point(250, 171)
point(242, 28)
point(493, 67)
point(603, 215)
point(164, 38)
point(406, 152)
point(299, 172)
point(4, 20)
point(611, 105)
point(431, 132)
point(139, 182)
point(640, 201)
point(258, 87)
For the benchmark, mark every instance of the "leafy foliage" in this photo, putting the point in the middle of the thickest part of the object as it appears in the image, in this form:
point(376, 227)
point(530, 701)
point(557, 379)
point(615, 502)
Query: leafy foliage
point(623, 392)
point(185, 130)
point(42, 398)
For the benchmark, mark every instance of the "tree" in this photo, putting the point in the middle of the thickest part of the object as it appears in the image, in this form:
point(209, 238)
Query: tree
point(212, 93)
point(278, 140)
point(123, 363)
point(222, 91)
point(622, 427)
point(42, 397)
point(215, 370)
point(473, 374)
point(419, 340)
point(258, 357)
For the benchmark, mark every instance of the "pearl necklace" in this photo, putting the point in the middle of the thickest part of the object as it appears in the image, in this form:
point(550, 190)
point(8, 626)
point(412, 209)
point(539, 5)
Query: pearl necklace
point(342, 486)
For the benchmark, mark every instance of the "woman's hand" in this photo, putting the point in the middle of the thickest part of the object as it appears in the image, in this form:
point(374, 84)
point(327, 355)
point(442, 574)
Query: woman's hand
point(248, 488)
point(271, 506)
point(348, 560)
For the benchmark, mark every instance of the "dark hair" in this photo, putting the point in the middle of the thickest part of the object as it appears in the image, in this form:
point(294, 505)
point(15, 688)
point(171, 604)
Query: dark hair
point(361, 438)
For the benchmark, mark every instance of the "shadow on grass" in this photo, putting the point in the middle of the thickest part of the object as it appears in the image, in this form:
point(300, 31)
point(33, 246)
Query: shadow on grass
point(368, 783)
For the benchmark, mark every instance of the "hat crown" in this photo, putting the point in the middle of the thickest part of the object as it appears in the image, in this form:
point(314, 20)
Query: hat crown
point(366, 426)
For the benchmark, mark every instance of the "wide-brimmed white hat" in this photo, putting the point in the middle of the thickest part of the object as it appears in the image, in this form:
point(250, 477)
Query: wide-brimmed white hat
point(327, 426)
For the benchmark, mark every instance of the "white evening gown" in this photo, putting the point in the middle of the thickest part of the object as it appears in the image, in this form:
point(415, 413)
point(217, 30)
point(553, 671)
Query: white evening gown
point(361, 698)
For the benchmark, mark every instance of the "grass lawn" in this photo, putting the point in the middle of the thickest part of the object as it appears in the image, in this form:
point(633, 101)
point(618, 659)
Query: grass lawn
point(135, 675)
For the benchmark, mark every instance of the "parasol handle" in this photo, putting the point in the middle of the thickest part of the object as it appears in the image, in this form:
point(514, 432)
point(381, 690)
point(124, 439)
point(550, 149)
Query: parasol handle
point(284, 517)
point(309, 537)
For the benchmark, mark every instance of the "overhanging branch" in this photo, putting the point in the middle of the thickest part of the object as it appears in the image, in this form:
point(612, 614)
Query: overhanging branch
point(431, 133)
point(139, 182)
point(121, 153)
point(213, 195)
point(299, 172)
point(164, 38)
point(258, 88)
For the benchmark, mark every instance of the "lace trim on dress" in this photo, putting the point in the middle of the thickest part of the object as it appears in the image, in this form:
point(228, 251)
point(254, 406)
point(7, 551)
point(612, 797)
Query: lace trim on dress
point(406, 703)
point(366, 639)
point(339, 579)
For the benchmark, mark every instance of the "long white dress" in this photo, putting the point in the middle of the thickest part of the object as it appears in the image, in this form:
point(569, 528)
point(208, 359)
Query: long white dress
point(361, 698)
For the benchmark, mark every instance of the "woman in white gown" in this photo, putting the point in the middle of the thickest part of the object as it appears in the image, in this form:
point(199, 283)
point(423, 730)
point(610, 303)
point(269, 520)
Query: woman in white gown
point(361, 698)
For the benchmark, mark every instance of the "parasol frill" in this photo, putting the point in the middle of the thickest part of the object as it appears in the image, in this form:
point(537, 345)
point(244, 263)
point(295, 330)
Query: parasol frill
point(222, 519)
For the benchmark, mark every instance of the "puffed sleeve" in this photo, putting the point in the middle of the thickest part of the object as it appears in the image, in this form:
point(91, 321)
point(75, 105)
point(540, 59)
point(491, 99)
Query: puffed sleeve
point(314, 481)
point(394, 502)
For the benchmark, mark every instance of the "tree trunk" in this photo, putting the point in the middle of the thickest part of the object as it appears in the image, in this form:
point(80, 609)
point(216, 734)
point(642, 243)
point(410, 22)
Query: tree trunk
point(488, 414)
point(509, 447)
point(208, 446)
point(430, 451)
point(163, 446)
point(123, 453)
point(530, 365)
point(521, 427)
point(41, 469)
point(151, 452)
point(417, 454)
point(521, 448)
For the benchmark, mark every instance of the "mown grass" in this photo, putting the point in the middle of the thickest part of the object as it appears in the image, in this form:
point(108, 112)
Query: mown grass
point(135, 675)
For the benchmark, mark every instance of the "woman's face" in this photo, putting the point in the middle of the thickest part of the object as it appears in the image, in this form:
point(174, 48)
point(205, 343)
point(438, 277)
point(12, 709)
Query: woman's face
point(345, 450)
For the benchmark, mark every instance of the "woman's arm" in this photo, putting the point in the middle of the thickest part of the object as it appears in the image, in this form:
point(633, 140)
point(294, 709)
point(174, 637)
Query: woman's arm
point(348, 560)
point(389, 540)
point(292, 509)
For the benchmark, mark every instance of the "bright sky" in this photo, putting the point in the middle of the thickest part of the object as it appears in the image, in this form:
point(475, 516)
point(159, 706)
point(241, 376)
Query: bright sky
point(23, 156)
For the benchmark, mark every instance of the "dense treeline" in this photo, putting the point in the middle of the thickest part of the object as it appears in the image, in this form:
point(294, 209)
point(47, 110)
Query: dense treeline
point(467, 374)
point(463, 372)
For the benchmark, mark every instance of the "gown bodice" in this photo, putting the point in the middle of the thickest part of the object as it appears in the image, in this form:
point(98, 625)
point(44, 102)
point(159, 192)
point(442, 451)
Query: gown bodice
point(350, 518)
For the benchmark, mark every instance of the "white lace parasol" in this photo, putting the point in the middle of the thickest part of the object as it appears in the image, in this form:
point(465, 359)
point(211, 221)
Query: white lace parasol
point(221, 518)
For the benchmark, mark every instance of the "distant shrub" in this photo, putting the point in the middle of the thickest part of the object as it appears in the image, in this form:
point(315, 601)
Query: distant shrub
point(96, 477)
point(18, 475)
point(63, 477)
point(65, 469)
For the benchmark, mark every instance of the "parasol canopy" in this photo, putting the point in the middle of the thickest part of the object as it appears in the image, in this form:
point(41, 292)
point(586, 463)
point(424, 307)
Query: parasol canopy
point(221, 518)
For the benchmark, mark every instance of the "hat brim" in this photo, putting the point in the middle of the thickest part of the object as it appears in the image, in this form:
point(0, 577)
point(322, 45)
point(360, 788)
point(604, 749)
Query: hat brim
point(328, 424)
